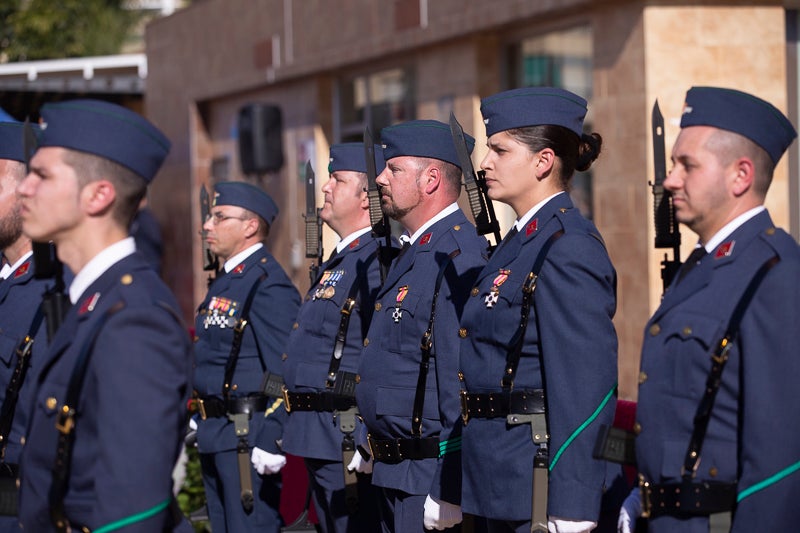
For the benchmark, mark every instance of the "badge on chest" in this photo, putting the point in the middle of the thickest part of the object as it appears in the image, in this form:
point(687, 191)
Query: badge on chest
point(221, 312)
point(326, 288)
point(494, 292)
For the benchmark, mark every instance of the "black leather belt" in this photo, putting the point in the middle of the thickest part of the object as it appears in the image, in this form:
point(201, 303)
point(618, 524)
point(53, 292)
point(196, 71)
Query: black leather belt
point(397, 450)
point(214, 407)
point(692, 499)
point(8, 489)
point(317, 401)
point(496, 404)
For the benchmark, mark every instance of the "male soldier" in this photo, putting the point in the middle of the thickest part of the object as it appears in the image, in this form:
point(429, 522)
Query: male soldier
point(242, 327)
point(323, 350)
point(20, 296)
point(718, 392)
point(408, 395)
point(108, 413)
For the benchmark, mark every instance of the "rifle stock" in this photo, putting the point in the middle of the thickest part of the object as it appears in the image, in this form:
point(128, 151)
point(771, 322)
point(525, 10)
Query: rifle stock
point(475, 186)
point(313, 225)
point(379, 221)
point(210, 259)
point(667, 232)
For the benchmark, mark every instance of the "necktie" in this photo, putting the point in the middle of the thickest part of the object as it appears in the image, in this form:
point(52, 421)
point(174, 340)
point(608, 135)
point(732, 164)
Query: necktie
point(692, 261)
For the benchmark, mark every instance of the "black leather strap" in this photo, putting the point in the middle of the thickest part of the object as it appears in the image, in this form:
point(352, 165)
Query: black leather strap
point(238, 334)
point(398, 450)
point(501, 404)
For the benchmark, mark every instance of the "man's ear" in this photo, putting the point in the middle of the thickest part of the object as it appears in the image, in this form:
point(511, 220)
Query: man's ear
point(432, 179)
point(250, 227)
point(744, 176)
point(98, 196)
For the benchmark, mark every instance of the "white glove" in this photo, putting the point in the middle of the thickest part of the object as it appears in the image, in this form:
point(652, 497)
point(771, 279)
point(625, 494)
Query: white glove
point(267, 463)
point(440, 515)
point(193, 424)
point(563, 525)
point(631, 510)
point(359, 464)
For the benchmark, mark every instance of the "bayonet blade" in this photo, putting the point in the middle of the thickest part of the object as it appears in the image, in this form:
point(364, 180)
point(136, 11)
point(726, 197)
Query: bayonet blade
point(667, 234)
point(376, 216)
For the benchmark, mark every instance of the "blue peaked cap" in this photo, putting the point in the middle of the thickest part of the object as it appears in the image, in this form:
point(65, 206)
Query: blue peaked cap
point(422, 138)
point(12, 145)
point(247, 196)
point(533, 106)
point(741, 113)
point(352, 156)
point(106, 130)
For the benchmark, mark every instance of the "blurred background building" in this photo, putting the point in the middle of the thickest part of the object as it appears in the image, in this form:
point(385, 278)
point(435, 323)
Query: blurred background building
point(252, 89)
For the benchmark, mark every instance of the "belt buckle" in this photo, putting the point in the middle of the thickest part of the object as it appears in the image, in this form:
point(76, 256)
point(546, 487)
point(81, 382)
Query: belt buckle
point(201, 408)
point(645, 491)
point(464, 406)
point(369, 444)
point(286, 402)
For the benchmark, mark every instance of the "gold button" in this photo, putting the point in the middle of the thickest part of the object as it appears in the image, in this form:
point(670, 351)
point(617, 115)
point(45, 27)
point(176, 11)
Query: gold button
point(126, 279)
point(295, 325)
point(358, 379)
point(17, 483)
point(51, 403)
point(462, 332)
point(713, 471)
point(637, 428)
point(687, 330)
point(475, 291)
point(196, 338)
point(22, 440)
point(377, 306)
point(655, 329)
point(234, 386)
point(284, 357)
point(263, 260)
point(457, 227)
point(642, 377)
point(366, 343)
point(770, 231)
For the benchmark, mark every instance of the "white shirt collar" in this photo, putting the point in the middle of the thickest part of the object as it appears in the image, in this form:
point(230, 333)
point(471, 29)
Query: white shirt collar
point(520, 223)
point(730, 227)
point(7, 269)
point(350, 238)
point(98, 265)
point(231, 263)
point(447, 211)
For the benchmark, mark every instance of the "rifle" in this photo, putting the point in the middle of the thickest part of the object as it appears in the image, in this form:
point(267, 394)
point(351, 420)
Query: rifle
point(313, 225)
point(475, 186)
point(210, 259)
point(668, 233)
point(381, 229)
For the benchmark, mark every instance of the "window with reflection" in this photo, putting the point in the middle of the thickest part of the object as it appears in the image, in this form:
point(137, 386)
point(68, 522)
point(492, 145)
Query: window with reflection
point(377, 100)
point(559, 59)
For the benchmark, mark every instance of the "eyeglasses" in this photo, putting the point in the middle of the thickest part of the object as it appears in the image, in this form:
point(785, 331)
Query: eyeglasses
point(218, 217)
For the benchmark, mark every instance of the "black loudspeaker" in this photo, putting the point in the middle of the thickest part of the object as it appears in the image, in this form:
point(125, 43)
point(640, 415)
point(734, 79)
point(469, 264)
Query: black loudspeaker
point(260, 133)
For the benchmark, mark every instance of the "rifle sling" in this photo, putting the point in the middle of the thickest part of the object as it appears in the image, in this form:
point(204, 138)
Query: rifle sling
point(238, 335)
point(514, 354)
point(66, 420)
point(718, 360)
point(23, 352)
point(426, 346)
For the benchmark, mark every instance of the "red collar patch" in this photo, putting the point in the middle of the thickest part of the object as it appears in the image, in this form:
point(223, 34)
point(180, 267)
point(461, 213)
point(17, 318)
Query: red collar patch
point(532, 226)
point(89, 303)
point(23, 269)
point(354, 244)
point(425, 239)
point(724, 250)
point(238, 269)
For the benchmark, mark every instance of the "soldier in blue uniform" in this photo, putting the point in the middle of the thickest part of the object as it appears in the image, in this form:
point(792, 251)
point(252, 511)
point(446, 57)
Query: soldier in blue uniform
point(408, 395)
point(108, 415)
point(545, 362)
point(324, 348)
point(241, 331)
point(729, 318)
point(20, 297)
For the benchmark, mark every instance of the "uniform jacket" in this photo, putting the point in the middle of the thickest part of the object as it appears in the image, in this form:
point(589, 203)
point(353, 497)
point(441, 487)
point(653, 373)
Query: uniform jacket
point(752, 435)
point(308, 352)
point(389, 365)
point(20, 296)
point(131, 414)
point(570, 332)
point(271, 316)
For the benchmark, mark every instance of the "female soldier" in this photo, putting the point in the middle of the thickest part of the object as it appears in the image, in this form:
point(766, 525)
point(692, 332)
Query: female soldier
point(538, 363)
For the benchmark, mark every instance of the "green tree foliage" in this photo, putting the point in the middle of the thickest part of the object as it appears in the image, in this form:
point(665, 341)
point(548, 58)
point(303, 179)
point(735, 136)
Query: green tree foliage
point(43, 29)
